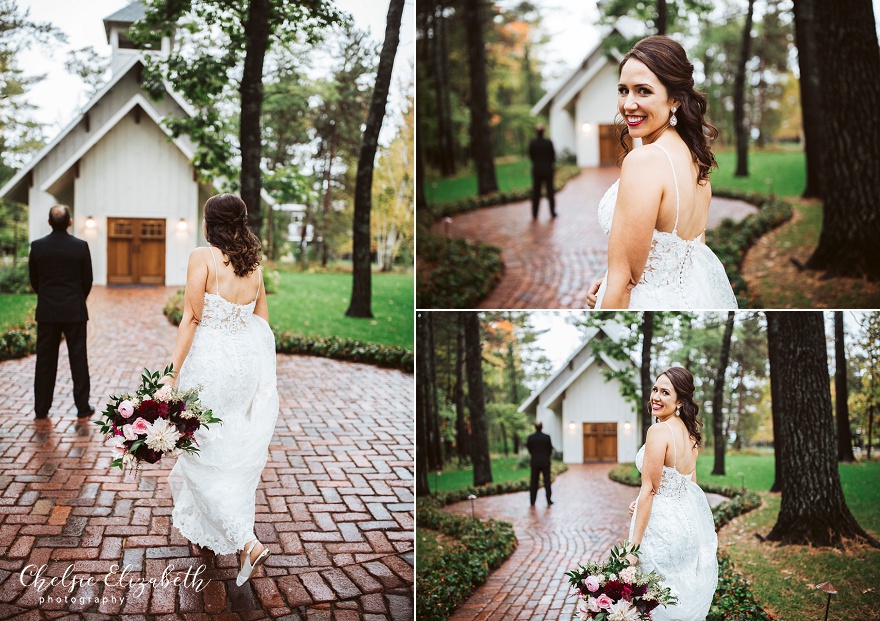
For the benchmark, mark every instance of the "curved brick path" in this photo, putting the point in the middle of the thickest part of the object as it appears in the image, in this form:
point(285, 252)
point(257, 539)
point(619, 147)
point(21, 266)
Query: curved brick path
point(335, 503)
point(551, 263)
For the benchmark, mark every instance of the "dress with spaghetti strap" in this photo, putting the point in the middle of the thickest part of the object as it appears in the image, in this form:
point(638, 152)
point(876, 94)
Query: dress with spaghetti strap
point(232, 359)
point(679, 273)
point(680, 542)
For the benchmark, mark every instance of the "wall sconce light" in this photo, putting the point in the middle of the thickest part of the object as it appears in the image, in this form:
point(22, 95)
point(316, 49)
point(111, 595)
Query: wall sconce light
point(627, 426)
point(586, 127)
point(90, 223)
point(571, 425)
point(181, 225)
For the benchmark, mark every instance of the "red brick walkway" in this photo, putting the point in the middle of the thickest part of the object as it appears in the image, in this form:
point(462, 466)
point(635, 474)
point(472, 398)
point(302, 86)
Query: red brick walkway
point(590, 513)
point(552, 263)
point(335, 504)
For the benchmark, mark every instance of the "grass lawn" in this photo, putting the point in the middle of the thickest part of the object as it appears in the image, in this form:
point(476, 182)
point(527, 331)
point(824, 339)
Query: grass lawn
point(314, 304)
point(782, 172)
point(503, 469)
point(15, 308)
point(512, 174)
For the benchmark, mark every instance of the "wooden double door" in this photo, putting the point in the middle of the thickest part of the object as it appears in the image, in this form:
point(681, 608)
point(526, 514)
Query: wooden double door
point(600, 442)
point(136, 251)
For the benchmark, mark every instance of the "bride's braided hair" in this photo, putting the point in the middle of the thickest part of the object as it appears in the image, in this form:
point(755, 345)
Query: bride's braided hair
point(683, 383)
point(668, 61)
point(226, 226)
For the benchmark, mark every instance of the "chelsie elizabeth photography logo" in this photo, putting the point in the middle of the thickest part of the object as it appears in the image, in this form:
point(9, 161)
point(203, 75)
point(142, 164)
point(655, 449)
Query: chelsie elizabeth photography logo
point(134, 584)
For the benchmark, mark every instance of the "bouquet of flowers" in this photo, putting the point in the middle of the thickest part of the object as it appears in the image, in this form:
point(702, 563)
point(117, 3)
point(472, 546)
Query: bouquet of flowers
point(617, 591)
point(155, 421)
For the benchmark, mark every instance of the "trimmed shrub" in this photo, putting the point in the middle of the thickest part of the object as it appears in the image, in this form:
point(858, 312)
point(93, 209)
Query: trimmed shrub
point(15, 278)
point(731, 240)
point(333, 347)
point(494, 489)
point(19, 341)
point(455, 273)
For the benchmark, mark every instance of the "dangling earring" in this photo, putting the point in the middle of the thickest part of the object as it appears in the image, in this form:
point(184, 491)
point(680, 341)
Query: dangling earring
point(673, 121)
point(677, 407)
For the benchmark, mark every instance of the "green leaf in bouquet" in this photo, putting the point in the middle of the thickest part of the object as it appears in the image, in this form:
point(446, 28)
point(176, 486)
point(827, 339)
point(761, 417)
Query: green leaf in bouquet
point(135, 446)
point(117, 463)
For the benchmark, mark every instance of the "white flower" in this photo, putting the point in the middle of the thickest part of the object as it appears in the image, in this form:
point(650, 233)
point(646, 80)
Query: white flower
point(128, 460)
point(592, 606)
point(628, 575)
point(163, 393)
point(161, 436)
point(623, 611)
point(129, 433)
point(118, 447)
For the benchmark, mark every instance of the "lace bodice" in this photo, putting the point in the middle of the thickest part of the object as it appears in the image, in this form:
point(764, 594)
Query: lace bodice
point(672, 482)
point(679, 273)
point(219, 313)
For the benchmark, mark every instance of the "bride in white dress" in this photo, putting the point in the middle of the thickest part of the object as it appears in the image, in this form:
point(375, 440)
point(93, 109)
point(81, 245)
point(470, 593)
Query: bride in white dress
point(225, 345)
point(656, 213)
point(671, 517)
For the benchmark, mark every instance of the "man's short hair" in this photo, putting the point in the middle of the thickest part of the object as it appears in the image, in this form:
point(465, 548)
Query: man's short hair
point(539, 425)
point(59, 217)
point(539, 129)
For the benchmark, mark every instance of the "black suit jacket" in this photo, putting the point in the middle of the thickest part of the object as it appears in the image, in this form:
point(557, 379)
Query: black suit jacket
point(540, 448)
point(542, 155)
point(61, 274)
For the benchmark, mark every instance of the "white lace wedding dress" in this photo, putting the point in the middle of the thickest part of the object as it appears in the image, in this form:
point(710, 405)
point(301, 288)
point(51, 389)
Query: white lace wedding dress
point(233, 359)
point(680, 543)
point(679, 273)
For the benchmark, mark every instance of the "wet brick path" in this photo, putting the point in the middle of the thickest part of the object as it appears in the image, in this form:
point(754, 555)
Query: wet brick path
point(552, 263)
point(335, 504)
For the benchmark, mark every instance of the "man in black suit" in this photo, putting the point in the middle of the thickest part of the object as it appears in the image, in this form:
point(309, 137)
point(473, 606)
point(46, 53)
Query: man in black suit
point(61, 275)
point(543, 159)
point(540, 448)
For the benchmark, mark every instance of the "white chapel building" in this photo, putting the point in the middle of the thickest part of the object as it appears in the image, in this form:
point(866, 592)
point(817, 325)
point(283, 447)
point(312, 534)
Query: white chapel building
point(585, 416)
point(132, 189)
point(582, 107)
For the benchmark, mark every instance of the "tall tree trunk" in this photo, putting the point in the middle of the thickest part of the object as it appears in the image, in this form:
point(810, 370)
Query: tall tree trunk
point(740, 425)
point(481, 133)
point(775, 409)
point(720, 439)
point(645, 370)
point(256, 32)
point(435, 440)
point(850, 80)
point(841, 390)
point(421, 199)
point(445, 136)
point(811, 96)
point(504, 445)
point(422, 351)
point(462, 444)
point(813, 510)
point(476, 402)
point(740, 121)
point(361, 290)
point(662, 19)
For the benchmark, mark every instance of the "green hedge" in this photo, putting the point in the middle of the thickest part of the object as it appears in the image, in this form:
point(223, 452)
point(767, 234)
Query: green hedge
point(494, 489)
point(15, 278)
point(333, 347)
point(731, 240)
point(564, 174)
point(459, 272)
point(19, 341)
point(451, 576)
point(733, 598)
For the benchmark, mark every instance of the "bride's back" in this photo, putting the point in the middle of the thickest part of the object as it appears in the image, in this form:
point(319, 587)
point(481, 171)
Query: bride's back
point(694, 198)
point(236, 289)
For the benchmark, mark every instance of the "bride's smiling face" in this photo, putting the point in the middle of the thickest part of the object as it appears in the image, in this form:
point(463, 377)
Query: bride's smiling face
point(663, 398)
point(642, 100)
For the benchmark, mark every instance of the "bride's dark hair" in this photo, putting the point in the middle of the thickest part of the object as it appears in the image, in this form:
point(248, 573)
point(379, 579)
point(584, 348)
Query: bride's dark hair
point(683, 383)
point(226, 226)
point(668, 61)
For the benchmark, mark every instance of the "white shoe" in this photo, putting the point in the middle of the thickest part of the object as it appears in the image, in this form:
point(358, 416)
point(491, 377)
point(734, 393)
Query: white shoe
point(247, 568)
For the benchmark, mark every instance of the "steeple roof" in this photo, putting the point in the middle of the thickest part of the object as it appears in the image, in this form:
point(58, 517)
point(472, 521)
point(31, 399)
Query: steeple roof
point(125, 16)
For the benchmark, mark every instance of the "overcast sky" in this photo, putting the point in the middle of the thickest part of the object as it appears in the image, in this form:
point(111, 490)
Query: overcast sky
point(59, 97)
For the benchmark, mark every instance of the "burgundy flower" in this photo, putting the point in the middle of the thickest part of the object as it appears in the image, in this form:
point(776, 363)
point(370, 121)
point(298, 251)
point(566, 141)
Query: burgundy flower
point(614, 589)
point(187, 426)
point(163, 410)
point(626, 593)
point(148, 410)
point(145, 453)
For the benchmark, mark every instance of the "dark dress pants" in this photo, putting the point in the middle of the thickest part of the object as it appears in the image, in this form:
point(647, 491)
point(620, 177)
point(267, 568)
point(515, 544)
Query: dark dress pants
point(533, 487)
point(547, 182)
point(48, 341)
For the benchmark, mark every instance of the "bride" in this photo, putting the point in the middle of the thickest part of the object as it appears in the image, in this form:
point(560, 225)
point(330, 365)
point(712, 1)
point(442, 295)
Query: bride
point(225, 345)
point(671, 519)
point(656, 213)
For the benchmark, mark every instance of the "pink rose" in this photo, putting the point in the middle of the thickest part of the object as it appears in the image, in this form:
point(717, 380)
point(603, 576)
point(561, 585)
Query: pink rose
point(163, 393)
point(603, 601)
point(592, 584)
point(140, 426)
point(592, 606)
point(128, 432)
point(126, 409)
